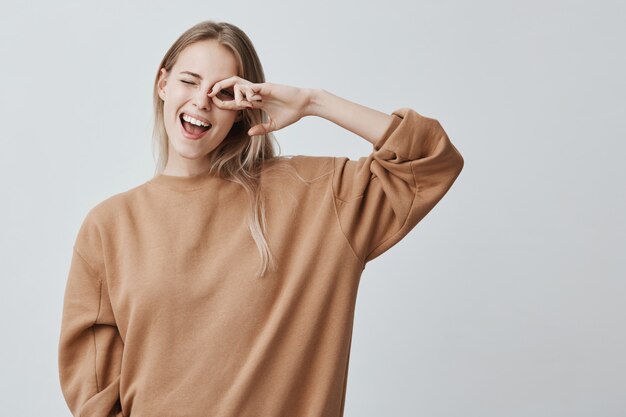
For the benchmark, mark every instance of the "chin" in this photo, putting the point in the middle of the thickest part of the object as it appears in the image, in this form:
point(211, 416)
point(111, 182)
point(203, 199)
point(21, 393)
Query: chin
point(188, 152)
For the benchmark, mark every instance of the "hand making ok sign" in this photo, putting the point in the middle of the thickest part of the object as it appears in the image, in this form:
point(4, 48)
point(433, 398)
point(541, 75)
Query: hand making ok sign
point(283, 104)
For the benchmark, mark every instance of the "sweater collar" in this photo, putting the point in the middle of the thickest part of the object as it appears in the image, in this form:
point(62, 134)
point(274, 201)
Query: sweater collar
point(185, 183)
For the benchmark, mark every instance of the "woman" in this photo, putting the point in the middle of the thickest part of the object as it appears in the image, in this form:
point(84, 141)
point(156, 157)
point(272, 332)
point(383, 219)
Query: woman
point(226, 284)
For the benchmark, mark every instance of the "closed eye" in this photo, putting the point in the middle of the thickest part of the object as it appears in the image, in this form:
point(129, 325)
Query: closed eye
point(228, 92)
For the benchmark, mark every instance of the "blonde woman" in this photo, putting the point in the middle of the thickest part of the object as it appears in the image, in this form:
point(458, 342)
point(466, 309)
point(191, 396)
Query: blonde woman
point(225, 285)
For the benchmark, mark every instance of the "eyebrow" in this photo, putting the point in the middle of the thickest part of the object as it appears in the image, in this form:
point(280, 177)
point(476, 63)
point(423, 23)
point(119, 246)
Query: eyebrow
point(193, 74)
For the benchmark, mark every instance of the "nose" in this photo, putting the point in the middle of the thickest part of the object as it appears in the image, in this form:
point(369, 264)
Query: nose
point(201, 100)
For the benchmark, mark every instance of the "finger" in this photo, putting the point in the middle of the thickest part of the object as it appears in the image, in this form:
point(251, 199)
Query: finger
point(252, 98)
point(227, 105)
point(218, 86)
point(250, 89)
point(261, 129)
point(245, 90)
point(228, 82)
point(249, 92)
point(256, 130)
point(238, 95)
point(231, 104)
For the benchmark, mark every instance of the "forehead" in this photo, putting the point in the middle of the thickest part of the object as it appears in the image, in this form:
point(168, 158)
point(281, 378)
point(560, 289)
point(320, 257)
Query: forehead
point(208, 59)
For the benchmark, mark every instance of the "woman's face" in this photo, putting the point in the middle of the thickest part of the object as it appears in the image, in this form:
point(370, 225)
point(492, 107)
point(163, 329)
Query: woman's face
point(186, 93)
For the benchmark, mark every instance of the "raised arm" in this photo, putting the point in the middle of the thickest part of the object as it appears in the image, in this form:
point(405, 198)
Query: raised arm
point(379, 198)
point(366, 122)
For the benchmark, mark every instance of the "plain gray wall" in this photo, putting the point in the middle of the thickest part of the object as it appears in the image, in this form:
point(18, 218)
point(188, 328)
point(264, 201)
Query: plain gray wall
point(506, 300)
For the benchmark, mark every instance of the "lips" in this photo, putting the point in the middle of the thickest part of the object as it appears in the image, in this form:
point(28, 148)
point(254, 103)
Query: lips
point(189, 135)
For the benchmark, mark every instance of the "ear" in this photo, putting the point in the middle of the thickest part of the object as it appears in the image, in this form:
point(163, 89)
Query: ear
point(161, 83)
point(239, 116)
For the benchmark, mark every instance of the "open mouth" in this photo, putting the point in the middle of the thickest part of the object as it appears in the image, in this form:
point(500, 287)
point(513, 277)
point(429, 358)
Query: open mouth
point(192, 130)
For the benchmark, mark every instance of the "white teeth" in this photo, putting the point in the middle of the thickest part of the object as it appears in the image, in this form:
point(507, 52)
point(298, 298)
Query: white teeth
point(194, 121)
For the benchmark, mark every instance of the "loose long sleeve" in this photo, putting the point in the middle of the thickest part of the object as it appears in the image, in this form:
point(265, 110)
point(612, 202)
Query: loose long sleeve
point(379, 198)
point(90, 346)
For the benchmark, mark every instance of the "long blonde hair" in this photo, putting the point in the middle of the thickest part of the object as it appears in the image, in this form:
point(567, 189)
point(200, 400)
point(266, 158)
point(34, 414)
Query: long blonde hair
point(239, 157)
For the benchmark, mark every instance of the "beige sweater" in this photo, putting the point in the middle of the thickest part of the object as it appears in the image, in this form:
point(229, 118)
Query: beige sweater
point(162, 316)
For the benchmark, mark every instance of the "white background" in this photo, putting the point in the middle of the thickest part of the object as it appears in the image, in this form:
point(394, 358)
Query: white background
point(506, 300)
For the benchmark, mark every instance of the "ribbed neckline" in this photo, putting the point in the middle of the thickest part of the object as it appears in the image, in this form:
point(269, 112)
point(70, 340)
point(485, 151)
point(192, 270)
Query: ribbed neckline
point(186, 183)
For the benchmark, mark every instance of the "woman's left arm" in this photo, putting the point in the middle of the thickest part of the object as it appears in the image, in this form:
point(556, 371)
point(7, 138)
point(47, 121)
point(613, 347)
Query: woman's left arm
point(380, 197)
point(368, 123)
point(285, 104)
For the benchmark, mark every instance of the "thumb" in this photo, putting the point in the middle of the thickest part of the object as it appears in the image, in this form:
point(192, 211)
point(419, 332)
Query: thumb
point(259, 129)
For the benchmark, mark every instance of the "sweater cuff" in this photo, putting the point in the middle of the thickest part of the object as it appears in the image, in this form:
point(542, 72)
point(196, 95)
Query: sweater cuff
point(397, 115)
